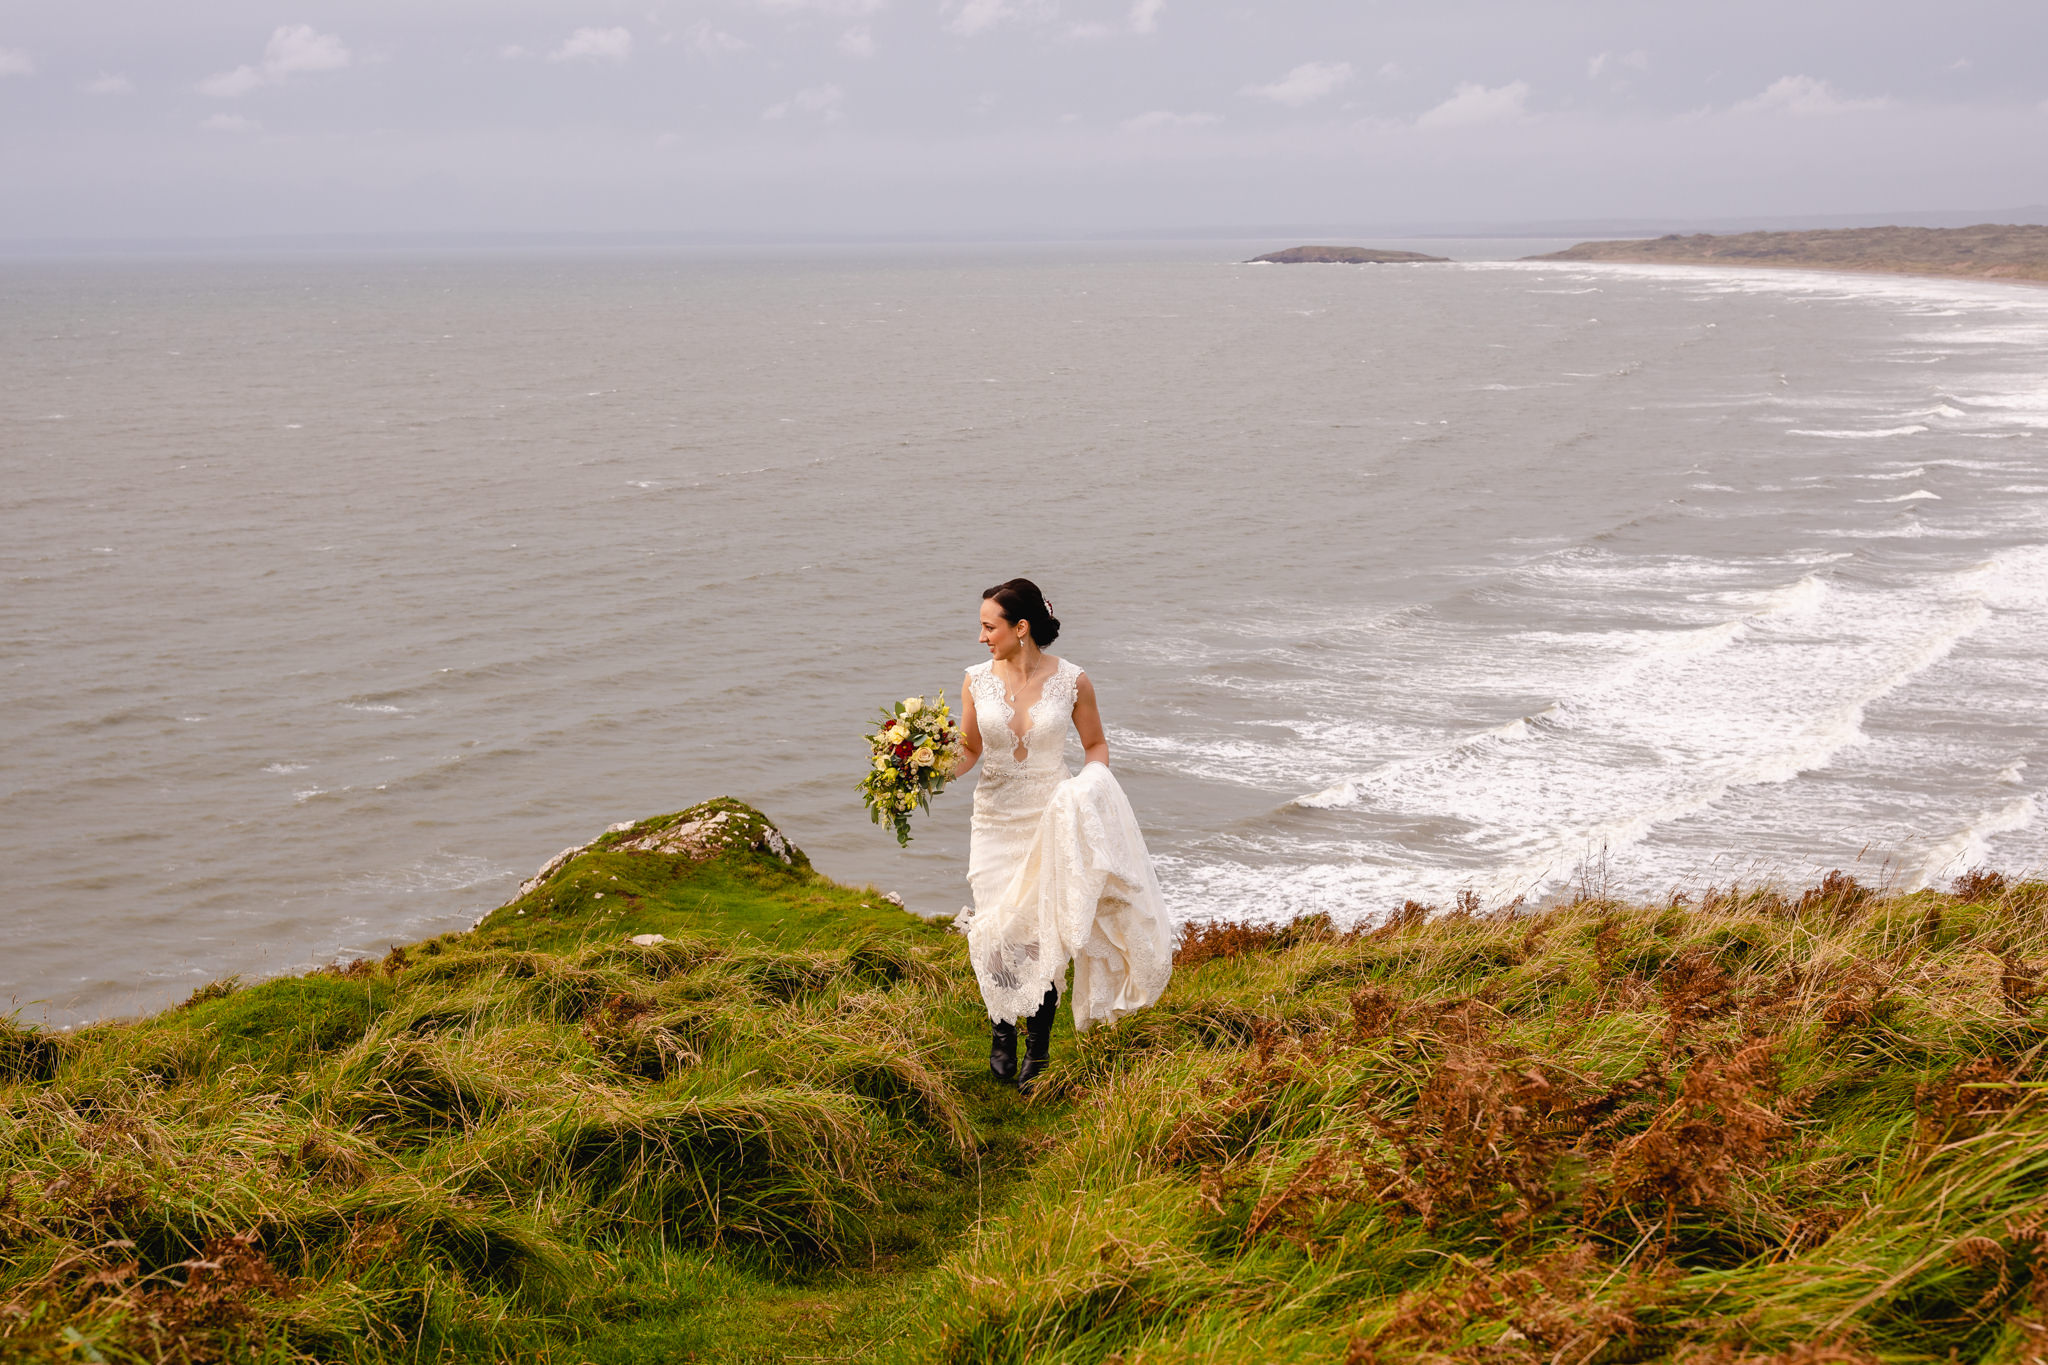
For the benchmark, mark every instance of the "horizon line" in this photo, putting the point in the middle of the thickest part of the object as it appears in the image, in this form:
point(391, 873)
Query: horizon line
point(1610, 228)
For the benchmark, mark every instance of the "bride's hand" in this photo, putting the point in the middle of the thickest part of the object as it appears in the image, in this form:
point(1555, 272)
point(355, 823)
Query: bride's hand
point(970, 731)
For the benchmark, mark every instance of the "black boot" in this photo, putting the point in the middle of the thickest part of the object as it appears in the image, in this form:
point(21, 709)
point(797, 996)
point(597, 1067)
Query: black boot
point(1038, 1041)
point(1002, 1052)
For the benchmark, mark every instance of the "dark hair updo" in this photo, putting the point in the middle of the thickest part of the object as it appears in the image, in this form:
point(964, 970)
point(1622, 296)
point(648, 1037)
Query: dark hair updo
point(1020, 600)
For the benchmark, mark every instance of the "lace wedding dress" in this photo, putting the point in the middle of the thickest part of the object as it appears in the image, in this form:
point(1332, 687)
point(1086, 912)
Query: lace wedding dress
point(1058, 867)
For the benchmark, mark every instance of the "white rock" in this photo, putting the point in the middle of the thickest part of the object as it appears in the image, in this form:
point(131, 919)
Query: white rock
point(646, 940)
point(548, 868)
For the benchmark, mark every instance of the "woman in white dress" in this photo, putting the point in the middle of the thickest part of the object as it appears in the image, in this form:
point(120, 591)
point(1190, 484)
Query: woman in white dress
point(1057, 865)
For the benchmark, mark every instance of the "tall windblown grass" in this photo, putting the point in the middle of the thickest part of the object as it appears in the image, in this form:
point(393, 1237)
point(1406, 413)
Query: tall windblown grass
point(1803, 1128)
point(1754, 1127)
point(460, 1167)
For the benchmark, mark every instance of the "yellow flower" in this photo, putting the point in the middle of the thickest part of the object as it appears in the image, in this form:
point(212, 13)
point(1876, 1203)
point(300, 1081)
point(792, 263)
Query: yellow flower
point(881, 764)
point(897, 733)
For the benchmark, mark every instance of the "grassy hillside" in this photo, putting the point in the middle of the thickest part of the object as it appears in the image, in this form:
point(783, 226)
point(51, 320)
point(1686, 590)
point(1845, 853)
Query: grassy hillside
point(1799, 1129)
point(1988, 251)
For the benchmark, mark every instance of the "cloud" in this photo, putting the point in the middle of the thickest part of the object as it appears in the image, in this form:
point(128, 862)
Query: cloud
point(1391, 71)
point(1155, 119)
point(1472, 104)
point(1602, 63)
point(292, 49)
point(512, 52)
point(822, 100)
point(298, 47)
point(844, 9)
point(976, 15)
point(1307, 82)
point(710, 42)
point(105, 84)
point(1143, 20)
point(230, 123)
point(595, 45)
point(1806, 97)
point(15, 62)
point(858, 42)
point(1959, 64)
point(234, 84)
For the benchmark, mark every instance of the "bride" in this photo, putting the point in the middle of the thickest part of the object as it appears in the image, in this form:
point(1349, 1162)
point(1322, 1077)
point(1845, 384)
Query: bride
point(1057, 865)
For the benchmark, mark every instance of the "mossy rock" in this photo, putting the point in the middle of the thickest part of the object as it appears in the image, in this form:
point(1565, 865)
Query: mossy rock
point(719, 869)
point(710, 829)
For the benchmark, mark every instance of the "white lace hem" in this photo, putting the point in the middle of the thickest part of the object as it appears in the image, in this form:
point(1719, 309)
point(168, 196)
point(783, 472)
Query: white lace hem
point(1084, 893)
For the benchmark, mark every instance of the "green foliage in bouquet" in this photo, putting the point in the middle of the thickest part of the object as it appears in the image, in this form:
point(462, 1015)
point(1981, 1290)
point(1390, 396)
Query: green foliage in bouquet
point(913, 753)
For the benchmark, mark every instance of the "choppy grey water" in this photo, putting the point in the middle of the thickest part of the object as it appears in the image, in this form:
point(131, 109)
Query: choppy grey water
point(341, 593)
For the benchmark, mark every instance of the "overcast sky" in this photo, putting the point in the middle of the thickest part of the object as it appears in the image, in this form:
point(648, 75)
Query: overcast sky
point(136, 118)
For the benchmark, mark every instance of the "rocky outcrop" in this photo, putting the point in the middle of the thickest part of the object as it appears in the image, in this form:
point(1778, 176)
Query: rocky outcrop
point(700, 832)
point(1341, 255)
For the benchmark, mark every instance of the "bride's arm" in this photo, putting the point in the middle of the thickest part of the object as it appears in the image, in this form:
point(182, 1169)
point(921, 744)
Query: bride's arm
point(970, 730)
point(1088, 723)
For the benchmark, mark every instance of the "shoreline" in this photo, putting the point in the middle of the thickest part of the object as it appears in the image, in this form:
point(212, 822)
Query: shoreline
point(1870, 270)
point(1988, 253)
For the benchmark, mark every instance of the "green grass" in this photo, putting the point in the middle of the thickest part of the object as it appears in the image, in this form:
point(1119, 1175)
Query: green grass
point(1756, 1128)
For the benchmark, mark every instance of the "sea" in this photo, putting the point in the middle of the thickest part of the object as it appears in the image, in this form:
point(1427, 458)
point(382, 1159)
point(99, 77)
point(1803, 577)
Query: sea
point(342, 590)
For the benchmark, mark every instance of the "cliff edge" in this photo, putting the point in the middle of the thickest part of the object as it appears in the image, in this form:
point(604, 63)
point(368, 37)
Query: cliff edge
point(685, 1099)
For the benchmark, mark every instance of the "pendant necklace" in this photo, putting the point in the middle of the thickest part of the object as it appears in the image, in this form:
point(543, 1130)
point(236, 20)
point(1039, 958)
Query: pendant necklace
point(1011, 694)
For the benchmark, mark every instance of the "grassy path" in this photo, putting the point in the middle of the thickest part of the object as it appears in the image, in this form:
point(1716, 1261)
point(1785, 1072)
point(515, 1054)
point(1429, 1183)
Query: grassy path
point(704, 1306)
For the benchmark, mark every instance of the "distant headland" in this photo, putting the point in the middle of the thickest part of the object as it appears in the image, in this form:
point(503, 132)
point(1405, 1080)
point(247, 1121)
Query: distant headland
point(1340, 255)
point(1989, 251)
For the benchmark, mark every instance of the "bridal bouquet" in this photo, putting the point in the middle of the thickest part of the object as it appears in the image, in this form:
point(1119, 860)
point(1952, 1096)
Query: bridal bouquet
point(915, 749)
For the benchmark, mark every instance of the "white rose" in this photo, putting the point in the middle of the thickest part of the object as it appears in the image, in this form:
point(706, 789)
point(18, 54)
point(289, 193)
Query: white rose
point(923, 757)
point(881, 765)
point(912, 705)
point(898, 733)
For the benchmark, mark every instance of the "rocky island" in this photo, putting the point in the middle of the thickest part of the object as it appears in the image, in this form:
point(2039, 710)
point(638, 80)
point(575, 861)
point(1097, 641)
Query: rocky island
point(1340, 255)
point(1988, 251)
point(683, 1098)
